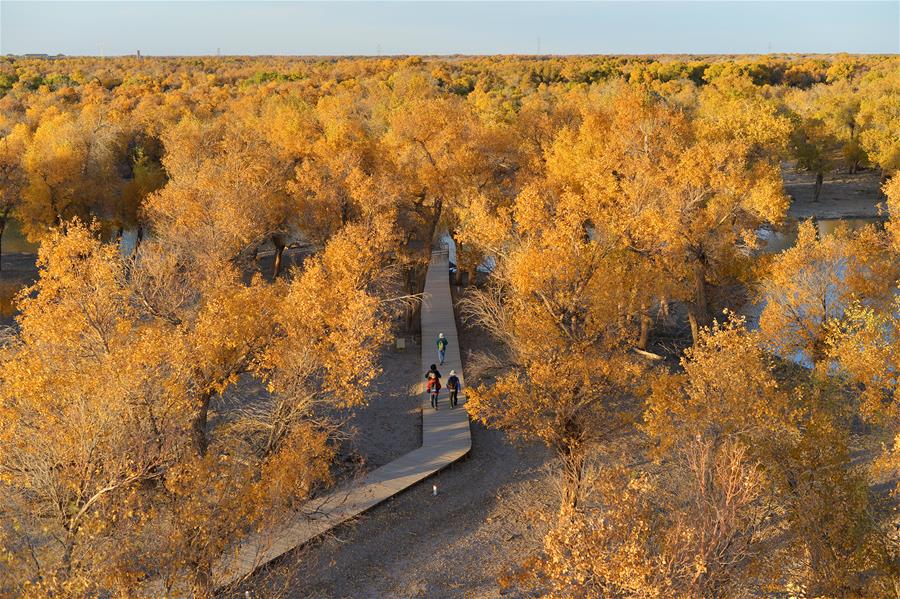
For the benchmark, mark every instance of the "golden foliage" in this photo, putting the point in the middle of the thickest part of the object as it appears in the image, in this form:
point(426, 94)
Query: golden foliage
point(602, 189)
point(811, 284)
point(693, 531)
point(107, 390)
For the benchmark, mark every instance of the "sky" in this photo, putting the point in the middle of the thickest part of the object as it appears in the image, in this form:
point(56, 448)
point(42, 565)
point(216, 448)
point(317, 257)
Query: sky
point(167, 27)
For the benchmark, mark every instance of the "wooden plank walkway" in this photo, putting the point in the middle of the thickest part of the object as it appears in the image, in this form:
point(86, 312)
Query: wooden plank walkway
point(445, 439)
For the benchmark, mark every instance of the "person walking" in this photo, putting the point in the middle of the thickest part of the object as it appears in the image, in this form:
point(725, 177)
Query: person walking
point(433, 387)
point(442, 346)
point(453, 386)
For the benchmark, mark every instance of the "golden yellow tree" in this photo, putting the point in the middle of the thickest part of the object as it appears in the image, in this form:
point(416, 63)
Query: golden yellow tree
point(226, 192)
point(865, 344)
point(695, 529)
point(135, 482)
point(892, 191)
point(554, 304)
point(438, 153)
point(86, 415)
point(796, 428)
point(70, 164)
point(812, 145)
point(12, 176)
point(879, 118)
point(683, 195)
point(811, 284)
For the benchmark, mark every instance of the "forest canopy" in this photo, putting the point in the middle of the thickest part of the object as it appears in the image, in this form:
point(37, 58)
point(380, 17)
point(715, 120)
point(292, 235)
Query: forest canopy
point(614, 198)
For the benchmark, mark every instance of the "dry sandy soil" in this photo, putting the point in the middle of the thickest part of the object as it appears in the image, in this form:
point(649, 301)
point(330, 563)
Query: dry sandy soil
point(484, 522)
point(390, 424)
point(842, 196)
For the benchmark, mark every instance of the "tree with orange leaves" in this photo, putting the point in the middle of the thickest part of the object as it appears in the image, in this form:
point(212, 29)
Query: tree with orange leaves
point(122, 469)
point(892, 191)
point(553, 302)
point(70, 163)
point(741, 484)
point(226, 192)
point(809, 286)
point(679, 193)
point(12, 175)
point(693, 529)
point(865, 344)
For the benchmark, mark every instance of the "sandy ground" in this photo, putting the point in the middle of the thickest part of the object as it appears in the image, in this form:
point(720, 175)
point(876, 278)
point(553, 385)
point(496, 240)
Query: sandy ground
point(484, 522)
point(842, 196)
point(390, 425)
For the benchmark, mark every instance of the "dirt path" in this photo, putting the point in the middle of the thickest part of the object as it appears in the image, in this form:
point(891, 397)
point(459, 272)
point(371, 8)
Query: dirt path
point(483, 523)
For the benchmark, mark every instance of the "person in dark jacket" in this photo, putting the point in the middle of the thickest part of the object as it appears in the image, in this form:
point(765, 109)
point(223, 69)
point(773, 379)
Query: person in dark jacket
point(453, 386)
point(433, 372)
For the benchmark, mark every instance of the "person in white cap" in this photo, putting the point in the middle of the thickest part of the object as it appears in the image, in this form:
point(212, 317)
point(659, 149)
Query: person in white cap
point(453, 386)
point(442, 347)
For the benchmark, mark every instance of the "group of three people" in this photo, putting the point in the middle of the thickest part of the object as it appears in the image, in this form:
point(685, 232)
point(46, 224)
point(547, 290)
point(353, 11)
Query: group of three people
point(433, 376)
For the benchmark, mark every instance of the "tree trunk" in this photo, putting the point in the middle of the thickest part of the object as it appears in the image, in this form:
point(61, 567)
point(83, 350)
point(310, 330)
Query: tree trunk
point(278, 242)
point(472, 277)
point(276, 270)
point(700, 292)
point(817, 188)
point(815, 582)
point(819, 351)
point(622, 317)
point(695, 328)
point(415, 283)
point(68, 551)
point(435, 219)
point(198, 426)
point(137, 241)
point(345, 212)
point(410, 318)
point(573, 469)
point(202, 585)
point(2, 227)
point(458, 274)
point(699, 313)
point(646, 323)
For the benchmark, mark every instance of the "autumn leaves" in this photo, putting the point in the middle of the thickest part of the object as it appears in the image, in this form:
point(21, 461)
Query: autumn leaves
point(730, 474)
point(158, 406)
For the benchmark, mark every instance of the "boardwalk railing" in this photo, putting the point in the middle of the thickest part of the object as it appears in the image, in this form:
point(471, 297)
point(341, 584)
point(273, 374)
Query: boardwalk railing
point(445, 439)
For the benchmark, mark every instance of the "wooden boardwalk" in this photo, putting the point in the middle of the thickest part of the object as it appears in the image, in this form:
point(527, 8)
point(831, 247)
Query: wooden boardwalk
point(445, 439)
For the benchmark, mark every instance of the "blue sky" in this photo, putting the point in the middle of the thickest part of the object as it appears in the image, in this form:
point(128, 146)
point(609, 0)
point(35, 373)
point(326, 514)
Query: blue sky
point(508, 27)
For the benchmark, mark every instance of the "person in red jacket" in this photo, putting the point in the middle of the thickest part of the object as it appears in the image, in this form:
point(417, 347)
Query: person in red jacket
point(433, 387)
